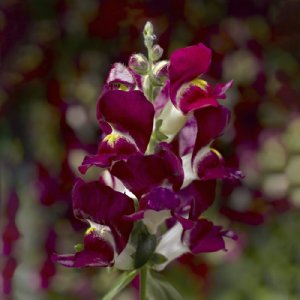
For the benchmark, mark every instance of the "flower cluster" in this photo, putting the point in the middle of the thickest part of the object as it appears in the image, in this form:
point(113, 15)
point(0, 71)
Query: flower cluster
point(158, 169)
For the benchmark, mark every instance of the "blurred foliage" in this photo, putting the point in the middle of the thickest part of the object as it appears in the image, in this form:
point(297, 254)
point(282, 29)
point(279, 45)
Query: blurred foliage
point(54, 56)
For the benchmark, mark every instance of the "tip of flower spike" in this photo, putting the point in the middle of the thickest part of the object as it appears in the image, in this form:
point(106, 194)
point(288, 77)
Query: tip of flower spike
point(148, 29)
point(149, 35)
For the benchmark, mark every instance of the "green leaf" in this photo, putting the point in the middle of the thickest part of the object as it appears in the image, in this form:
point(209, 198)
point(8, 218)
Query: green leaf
point(161, 136)
point(158, 123)
point(159, 288)
point(120, 284)
point(145, 249)
point(144, 243)
point(158, 259)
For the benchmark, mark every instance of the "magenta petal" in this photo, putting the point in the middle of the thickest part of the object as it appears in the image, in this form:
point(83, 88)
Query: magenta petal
point(120, 74)
point(187, 136)
point(128, 112)
point(162, 98)
point(140, 174)
point(172, 163)
point(186, 223)
point(198, 195)
point(160, 199)
point(205, 237)
point(195, 98)
point(96, 253)
point(108, 152)
point(211, 122)
point(187, 64)
point(103, 205)
point(211, 166)
point(219, 91)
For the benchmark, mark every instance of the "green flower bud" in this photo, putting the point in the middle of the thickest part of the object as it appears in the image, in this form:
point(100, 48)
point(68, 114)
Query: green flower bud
point(149, 35)
point(148, 29)
point(138, 63)
point(157, 52)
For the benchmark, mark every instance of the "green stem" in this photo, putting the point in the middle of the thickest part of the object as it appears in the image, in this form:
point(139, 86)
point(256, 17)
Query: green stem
point(143, 283)
point(150, 73)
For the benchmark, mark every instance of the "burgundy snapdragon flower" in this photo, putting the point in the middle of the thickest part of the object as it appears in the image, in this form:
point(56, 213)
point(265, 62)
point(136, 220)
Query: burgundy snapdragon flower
point(125, 116)
point(102, 208)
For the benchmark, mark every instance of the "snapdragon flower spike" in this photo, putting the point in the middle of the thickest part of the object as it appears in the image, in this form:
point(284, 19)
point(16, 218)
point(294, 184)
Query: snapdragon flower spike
point(141, 173)
point(103, 208)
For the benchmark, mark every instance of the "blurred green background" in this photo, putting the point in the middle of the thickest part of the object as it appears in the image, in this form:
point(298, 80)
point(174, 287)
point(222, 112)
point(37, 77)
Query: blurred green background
point(54, 58)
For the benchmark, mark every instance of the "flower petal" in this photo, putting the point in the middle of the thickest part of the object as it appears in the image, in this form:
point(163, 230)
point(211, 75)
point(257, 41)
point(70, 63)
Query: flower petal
point(211, 166)
point(211, 122)
point(113, 147)
point(160, 199)
point(206, 237)
point(187, 136)
point(140, 174)
point(102, 205)
point(219, 91)
point(198, 196)
point(96, 253)
point(129, 113)
point(187, 64)
point(194, 98)
point(120, 77)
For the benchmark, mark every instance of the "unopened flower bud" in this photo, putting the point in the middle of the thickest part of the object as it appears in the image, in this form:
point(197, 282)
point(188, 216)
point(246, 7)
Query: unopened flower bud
point(160, 70)
point(148, 29)
point(149, 35)
point(138, 63)
point(157, 52)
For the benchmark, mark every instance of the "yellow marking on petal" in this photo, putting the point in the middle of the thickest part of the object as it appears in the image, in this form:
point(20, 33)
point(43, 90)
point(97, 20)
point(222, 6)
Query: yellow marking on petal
point(120, 86)
point(123, 87)
point(111, 138)
point(202, 84)
point(216, 152)
point(90, 230)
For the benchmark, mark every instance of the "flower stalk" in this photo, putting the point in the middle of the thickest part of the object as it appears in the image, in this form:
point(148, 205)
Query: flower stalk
point(143, 282)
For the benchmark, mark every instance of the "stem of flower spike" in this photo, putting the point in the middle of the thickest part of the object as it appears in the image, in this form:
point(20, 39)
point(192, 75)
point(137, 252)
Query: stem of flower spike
point(143, 282)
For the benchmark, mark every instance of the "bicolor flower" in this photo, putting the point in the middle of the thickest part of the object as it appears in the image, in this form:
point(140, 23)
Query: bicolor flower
point(188, 91)
point(127, 119)
point(103, 209)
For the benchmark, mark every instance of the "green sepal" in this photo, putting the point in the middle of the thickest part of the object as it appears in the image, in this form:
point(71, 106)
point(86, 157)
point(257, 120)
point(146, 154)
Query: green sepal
point(145, 244)
point(158, 259)
point(79, 247)
point(120, 284)
point(159, 288)
point(158, 135)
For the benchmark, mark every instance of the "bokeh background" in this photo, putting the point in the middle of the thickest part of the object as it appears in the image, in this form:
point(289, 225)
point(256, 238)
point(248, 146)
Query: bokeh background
point(54, 57)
